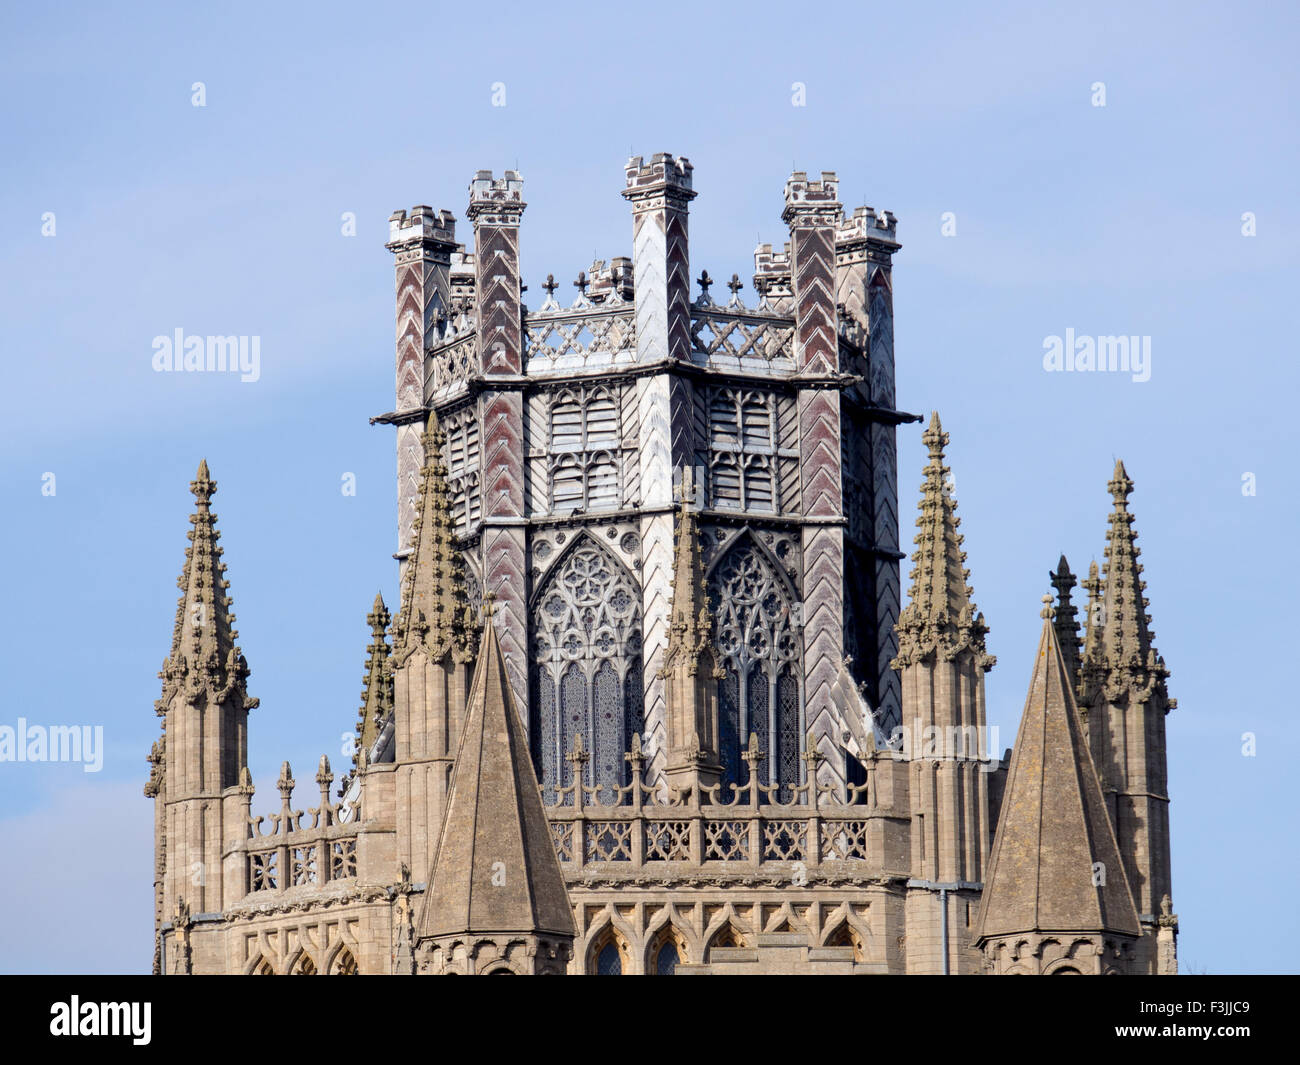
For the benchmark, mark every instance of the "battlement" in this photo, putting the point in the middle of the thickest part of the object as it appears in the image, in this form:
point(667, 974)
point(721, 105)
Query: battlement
point(772, 271)
point(613, 280)
point(801, 192)
point(866, 223)
point(422, 224)
point(663, 171)
point(502, 196)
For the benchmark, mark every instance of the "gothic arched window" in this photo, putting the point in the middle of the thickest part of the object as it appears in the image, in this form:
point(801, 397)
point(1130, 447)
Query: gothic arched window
point(757, 644)
point(586, 669)
point(608, 963)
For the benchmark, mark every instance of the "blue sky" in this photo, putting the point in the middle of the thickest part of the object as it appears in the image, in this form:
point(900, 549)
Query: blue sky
point(226, 219)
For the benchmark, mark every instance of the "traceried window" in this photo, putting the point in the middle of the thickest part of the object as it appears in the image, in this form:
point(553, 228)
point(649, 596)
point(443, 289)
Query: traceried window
point(742, 449)
point(757, 644)
point(463, 470)
point(586, 670)
point(584, 450)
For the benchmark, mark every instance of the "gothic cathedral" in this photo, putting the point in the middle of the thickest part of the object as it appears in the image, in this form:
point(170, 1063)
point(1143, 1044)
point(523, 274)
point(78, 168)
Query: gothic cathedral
point(649, 704)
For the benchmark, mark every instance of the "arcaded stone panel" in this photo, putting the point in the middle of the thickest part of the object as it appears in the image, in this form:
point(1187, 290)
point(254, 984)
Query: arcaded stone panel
point(816, 344)
point(500, 324)
point(663, 286)
point(823, 634)
point(422, 293)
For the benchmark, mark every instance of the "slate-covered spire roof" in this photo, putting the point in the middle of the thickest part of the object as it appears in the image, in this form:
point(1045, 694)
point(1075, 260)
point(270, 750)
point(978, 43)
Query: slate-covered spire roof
point(1067, 627)
point(495, 869)
point(1055, 865)
point(377, 695)
point(940, 615)
point(435, 609)
point(204, 655)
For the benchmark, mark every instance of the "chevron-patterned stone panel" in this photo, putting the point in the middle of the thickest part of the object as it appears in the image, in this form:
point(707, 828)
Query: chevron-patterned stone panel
point(506, 575)
point(500, 325)
point(816, 342)
point(630, 432)
point(503, 448)
point(823, 634)
point(881, 357)
point(819, 452)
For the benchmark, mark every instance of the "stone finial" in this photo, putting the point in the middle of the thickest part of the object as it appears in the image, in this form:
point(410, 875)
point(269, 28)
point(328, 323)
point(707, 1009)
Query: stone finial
point(1067, 628)
point(285, 784)
point(940, 617)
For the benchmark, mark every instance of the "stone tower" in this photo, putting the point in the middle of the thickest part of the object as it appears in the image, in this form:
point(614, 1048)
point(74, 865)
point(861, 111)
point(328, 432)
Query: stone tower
point(566, 428)
point(201, 761)
point(943, 661)
point(1124, 700)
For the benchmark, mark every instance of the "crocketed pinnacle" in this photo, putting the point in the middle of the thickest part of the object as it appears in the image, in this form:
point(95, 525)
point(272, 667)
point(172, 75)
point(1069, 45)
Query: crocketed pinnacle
point(435, 610)
point(1054, 834)
point(1123, 655)
point(691, 628)
point(1067, 627)
point(204, 655)
point(1092, 622)
point(377, 696)
point(940, 616)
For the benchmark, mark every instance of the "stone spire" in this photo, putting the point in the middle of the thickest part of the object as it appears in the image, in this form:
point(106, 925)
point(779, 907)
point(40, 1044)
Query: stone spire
point(495, 884)
point(435, 610)
point(1067, 627)
point(941, 615)
point(1126, 636)
point(203, 653)
point(1124, 699)
point(377, 696)
point(1056, 865)
point(690, 669)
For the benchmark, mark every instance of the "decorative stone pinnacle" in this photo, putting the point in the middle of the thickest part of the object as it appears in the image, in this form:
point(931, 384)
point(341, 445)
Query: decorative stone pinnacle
point(704, 281)
point(735, 284)
point(550, 286)
point(1047, 611)
point(1121, 486)
point(578, 757)
point(324, 777)
point(581, 283)
point(489, 608)
point(286, 782)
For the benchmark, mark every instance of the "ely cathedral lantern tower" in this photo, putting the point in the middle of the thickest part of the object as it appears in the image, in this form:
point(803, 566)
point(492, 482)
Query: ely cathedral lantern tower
point(570, 429)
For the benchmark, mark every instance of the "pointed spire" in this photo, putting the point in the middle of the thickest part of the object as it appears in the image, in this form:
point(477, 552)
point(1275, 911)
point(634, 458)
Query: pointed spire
point(434, 604)
point(1067, 627)
point(203, 652)
point(377, 696)
point(1122, 646)
point(941, 615)
point(1055, 865)
point(495, 869)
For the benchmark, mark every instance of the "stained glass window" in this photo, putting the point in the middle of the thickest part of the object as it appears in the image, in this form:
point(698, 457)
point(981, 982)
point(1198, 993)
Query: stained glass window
point(667, 961)
point(608, 963)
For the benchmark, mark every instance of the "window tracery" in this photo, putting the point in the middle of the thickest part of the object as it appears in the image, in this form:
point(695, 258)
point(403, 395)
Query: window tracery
point(743, 440)
point(586, 670)
point(757, 644)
